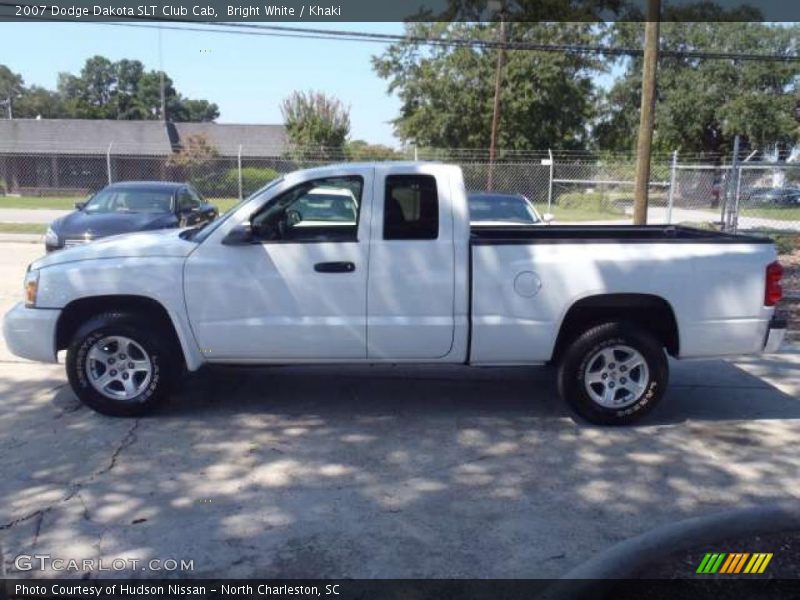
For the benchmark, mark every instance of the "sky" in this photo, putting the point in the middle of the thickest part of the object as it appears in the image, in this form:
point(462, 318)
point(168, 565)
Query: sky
point(247, 76)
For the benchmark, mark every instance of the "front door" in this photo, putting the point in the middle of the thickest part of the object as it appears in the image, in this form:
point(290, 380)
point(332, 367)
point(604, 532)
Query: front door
point(300, 291)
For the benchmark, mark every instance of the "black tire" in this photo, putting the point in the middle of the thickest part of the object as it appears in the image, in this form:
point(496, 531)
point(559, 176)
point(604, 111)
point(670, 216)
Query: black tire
point(575, 361)
point(161, 351)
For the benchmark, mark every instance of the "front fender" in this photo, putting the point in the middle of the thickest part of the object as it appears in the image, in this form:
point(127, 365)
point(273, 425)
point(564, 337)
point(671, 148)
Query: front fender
point(157, 278)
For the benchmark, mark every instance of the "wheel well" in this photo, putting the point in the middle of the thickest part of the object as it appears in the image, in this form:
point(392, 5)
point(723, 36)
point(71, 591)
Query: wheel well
point(652, 313)
point(79, 311)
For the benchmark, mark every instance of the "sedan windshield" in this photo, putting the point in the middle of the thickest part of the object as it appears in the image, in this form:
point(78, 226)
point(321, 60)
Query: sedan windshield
point(501, 208)
point(130, 201)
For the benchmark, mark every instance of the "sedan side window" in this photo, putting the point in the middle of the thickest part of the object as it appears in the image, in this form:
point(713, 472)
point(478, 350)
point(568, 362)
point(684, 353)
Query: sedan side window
point(197, 199)
point(186, 201)
point(324, 210)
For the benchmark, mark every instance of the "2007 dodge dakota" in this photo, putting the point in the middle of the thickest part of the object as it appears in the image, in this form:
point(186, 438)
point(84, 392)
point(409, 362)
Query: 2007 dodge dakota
point(376, 263)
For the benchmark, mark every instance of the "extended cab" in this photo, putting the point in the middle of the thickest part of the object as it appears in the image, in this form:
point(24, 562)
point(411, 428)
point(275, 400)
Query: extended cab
point(377, 263)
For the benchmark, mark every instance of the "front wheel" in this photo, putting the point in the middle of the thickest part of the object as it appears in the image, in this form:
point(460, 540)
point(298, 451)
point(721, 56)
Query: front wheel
point(119, 365)
point(613, 374)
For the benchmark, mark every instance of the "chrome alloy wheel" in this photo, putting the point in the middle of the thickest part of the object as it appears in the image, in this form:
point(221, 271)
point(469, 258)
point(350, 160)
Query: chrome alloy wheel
point(118, 367)
point(616, 377)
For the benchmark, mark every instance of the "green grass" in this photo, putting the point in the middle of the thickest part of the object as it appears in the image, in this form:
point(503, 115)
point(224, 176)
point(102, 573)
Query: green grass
point(224, 204)
point(583, 214)
point(47, 202)
point(779, 213)
point(38, 228)
point(68, 203)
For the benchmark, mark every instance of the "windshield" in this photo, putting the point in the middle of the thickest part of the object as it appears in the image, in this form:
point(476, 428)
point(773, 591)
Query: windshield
point(128, 200)
point(511, 209)
point(201, 233)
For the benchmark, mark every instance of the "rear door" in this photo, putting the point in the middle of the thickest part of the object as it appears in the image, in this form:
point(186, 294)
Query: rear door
point(410, 291)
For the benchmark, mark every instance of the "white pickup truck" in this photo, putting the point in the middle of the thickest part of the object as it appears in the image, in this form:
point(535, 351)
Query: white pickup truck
point(378, 263)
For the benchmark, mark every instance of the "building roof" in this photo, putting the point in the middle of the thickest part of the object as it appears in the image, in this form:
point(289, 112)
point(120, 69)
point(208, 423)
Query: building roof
point(147, 185)
point(135, 138)
point(256, 140)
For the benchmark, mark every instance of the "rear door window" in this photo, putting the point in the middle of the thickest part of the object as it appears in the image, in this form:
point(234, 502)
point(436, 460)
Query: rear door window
point(411, 208)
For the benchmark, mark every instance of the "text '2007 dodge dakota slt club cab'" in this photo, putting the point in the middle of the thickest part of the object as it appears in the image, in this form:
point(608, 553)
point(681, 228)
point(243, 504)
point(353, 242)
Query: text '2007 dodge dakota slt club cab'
point(378, 263)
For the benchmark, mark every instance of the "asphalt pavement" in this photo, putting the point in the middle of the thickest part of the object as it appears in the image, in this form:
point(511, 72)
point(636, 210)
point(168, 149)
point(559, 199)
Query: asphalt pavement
point(30, 215)
point(378, 471)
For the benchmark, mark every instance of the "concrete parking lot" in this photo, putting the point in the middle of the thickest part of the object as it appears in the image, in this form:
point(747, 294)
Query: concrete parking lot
point(379, 472)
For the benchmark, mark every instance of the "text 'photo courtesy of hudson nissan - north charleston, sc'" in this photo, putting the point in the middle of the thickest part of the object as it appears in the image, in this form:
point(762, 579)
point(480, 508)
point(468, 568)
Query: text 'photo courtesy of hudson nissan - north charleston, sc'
point(378, 263)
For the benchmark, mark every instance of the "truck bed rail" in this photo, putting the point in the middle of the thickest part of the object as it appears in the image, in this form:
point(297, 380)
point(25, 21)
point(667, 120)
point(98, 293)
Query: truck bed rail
point(618, 234)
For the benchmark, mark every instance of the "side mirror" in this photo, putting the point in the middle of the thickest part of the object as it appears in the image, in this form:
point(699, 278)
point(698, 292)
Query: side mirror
point(548, 218)
point(241, 235)
point(80, 205)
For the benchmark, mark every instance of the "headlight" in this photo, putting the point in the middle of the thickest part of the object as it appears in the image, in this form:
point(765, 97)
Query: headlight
point(31, 287)
point(51, 237)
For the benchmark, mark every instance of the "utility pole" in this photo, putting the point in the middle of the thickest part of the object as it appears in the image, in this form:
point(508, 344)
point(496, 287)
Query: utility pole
point(161, 78)
point(645, 142)
point(498, 77)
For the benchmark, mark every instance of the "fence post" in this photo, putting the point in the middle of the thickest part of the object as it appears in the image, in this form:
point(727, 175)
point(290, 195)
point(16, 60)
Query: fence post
point(108, 162)
point(239, 167)
point(672, 179)
point(726, 208)
point(550, 186)
point(735, 216)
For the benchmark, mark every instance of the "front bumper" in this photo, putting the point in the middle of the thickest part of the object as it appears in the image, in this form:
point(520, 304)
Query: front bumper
point(31, 332)
point(775, 335)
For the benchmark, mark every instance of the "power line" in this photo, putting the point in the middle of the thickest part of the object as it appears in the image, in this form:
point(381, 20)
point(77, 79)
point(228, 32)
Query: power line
point(282, 31)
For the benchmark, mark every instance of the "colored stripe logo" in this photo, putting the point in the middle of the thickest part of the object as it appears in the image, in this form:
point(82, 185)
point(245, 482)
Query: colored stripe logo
point(734, 563)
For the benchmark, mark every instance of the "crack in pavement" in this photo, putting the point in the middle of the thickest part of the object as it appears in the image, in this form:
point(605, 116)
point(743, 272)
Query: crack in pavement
point(74, 488)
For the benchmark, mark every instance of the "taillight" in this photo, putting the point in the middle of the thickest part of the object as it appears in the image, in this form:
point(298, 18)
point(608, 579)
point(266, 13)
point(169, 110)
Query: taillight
point(773, 292)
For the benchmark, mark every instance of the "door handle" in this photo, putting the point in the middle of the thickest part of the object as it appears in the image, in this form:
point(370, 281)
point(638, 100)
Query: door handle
point(334, 267)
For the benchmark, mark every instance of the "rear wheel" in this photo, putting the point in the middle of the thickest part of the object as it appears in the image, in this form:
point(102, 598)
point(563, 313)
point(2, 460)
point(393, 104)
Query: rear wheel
point(613, 374)
point(119, 365)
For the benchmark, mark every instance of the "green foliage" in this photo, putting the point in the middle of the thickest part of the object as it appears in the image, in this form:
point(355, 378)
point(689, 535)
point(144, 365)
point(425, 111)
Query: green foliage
point(253, 178)
point(447, 92)
point(590, 201)
point(196, 151)
point(11, 87)
point(361, 150)
point(220, 185)
point(785, 241)
point(105, 90)
point(703, 104)
point(317, 125)
point(3, 187)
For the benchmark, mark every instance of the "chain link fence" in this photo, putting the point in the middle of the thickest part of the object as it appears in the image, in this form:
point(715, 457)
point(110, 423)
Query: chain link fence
point(574, 188)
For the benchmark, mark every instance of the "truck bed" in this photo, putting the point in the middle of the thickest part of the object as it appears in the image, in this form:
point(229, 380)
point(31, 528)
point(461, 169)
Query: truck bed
point(524, 279)
point(620, 234)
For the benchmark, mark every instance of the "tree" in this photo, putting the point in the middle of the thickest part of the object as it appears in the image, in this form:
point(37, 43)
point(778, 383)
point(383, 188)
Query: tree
point(317, 125)
point(105, 90)
point(37, 101)
point(547, 99)
point(11, 87)
point(196, 151)
point(361, 150)
point(702, 105)
point(192, 157)
point(197, 110)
